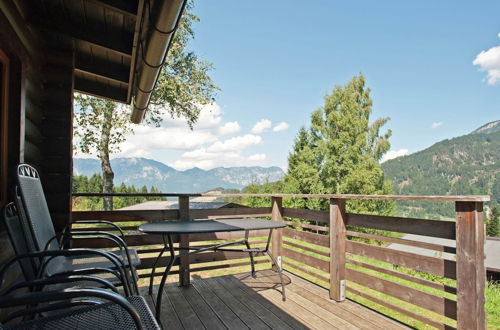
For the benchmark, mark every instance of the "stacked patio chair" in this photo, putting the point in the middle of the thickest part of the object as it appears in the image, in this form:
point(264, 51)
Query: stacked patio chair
point(54, 302)
point(47, 305)
point(40, 236)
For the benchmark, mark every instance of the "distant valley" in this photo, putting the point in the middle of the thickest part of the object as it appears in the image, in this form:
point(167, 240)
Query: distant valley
point(148, 172)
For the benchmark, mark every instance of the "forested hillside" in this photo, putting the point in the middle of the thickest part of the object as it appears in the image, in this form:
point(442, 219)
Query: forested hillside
point(465, 165)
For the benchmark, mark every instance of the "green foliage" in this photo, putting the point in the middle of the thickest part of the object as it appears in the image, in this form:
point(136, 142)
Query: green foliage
point(493, 224)
point(183, 84)
point(82, 184)
point(340, 153)
point(466, 165)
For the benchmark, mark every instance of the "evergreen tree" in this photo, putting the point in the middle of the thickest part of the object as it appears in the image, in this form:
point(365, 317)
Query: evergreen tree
point(341, 153)
point(493, 224)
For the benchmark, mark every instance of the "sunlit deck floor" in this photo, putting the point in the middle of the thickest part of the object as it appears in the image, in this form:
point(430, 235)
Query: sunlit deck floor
point(241, 302)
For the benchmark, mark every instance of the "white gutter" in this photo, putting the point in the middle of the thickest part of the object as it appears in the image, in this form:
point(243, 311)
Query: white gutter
point(162, 28)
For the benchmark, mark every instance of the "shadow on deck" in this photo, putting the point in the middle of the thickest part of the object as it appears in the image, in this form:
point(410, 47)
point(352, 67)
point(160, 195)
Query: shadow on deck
point(241, 302)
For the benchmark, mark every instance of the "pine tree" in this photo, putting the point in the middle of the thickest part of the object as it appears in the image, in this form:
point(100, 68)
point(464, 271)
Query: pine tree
point(341, 153)
point(493, 224)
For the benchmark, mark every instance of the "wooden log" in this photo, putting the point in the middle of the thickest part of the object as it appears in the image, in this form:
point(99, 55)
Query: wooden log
point(433, 228)
point(470, 265)
point(317, 239)
point(307, 260)
point(403, 276)
point(398, 309)
point(338, 220)
point(424, 245)
point(437, 304)
point(311, 215)
point(277, 238)
point(184, 275)
point(437, 266)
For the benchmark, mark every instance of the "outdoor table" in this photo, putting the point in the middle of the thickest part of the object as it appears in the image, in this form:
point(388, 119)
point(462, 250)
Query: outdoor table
point(168, 229)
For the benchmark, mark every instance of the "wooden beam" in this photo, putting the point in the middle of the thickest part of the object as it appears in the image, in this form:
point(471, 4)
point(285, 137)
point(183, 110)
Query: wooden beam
point(100, 89)
point(338, 220)
point(116, 41)
point(470, 265)
point(126, 8)
point(103, 69)
point(184, 275)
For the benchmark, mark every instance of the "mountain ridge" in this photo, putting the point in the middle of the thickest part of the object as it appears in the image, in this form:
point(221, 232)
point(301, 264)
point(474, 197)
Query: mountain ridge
point(463, 165)
point(139, 171)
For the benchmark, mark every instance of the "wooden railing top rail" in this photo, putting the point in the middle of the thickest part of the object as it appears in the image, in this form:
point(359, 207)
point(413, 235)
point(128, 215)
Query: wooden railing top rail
point(472, 198)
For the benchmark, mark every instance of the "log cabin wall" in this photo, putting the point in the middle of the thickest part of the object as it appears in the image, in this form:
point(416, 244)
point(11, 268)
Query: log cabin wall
point(39, 117)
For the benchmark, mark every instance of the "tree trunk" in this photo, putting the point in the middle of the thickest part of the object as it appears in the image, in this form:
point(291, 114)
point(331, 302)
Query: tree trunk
point(107, 171)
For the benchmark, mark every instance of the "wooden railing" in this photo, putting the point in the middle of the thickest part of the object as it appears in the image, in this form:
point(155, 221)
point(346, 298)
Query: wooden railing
point(347, 252)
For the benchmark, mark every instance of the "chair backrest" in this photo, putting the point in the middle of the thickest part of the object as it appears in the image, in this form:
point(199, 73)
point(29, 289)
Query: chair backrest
point(36, 211)
point(18, 240)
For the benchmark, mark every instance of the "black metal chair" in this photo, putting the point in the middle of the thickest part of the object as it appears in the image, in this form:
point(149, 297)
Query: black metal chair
point(37, 224)
point(31, 261)
point(82, 308)
point(65, 301)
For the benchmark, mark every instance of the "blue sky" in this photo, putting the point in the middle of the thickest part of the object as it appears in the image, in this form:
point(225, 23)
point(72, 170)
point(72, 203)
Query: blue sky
point(275, 60)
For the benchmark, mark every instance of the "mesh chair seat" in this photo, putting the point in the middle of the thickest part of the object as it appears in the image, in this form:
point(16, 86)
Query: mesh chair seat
point(104, 316)
point(66, 264)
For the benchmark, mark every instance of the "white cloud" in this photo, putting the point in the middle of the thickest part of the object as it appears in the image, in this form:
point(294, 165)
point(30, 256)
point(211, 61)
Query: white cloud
point(281, 127)
point(174, 134)
point(391, 154)
point(489, 62)
point(436, 124)
point(257, 157)
point(236, 143)
point(261, 126)
point(230, 128)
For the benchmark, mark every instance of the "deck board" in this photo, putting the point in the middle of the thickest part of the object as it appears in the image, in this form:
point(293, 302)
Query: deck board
point(242, 302)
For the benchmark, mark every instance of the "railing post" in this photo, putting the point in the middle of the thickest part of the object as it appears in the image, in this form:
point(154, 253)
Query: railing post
point(471, 274)
point(338, 221)
point(277, 215)
point(184, 274)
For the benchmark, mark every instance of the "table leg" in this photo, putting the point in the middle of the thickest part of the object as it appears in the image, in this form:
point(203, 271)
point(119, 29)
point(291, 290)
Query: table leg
point(280, 272)
point(154, 265)
point(276, 264)
point(165, 275)
point(250, 253)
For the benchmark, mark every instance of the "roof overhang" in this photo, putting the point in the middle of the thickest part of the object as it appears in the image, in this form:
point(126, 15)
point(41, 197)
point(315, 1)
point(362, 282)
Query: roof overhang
point(110, 39)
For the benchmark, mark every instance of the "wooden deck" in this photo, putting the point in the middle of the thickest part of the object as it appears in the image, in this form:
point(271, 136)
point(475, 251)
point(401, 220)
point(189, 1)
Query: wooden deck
point(242, 302)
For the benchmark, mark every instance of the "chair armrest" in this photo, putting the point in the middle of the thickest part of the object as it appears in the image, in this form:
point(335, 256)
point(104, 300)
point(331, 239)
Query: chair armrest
point(70, 252)
point(112, 224)
point(51, 296)
point(59, 279)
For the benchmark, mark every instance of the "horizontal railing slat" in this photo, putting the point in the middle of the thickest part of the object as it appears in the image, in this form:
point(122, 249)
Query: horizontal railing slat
point(230, 212)
point(307, 237)
point(305, 259)
point(311, 215)
point(290, 267)
point(403, 276)
point(424, 245)
point(437, 304)
point(127, 215)
point(308, 226)
point(433, 228)
point(436, 266)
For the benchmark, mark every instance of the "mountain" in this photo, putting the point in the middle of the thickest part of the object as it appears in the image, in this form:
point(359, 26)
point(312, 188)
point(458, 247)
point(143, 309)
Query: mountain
point(492, 127)
point(143, 171)
point(465, 165)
